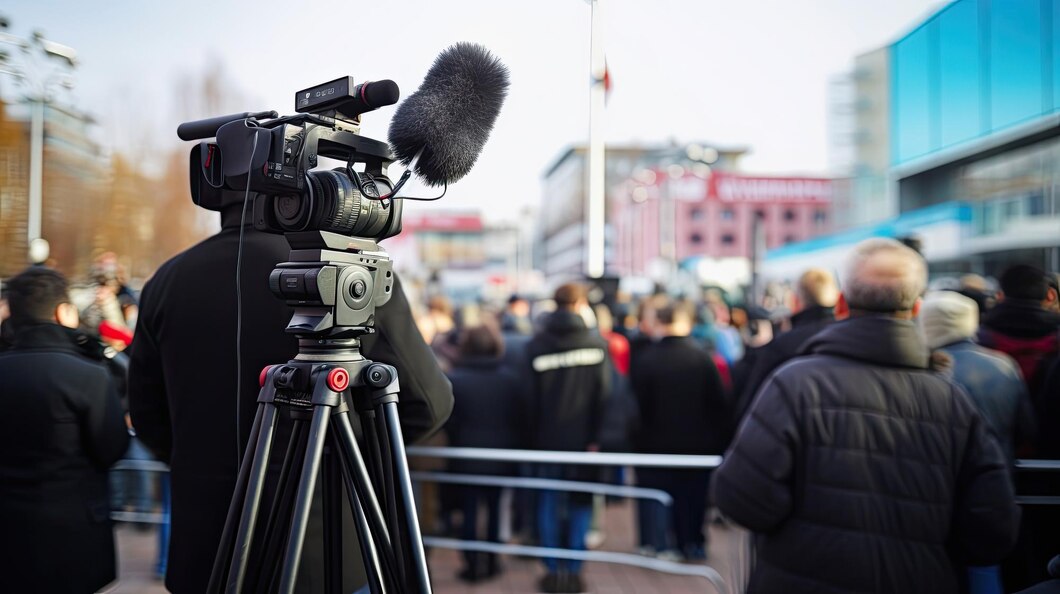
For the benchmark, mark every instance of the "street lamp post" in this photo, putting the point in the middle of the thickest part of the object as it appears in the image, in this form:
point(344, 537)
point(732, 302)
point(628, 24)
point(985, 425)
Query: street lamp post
point(38, 81)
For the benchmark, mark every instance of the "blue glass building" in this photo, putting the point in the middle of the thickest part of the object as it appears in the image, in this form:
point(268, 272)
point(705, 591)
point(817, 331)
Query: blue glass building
point(972, 128)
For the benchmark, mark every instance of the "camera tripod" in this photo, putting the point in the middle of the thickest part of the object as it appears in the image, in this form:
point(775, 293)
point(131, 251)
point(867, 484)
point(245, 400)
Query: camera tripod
point(316, 389)
point(336, 283)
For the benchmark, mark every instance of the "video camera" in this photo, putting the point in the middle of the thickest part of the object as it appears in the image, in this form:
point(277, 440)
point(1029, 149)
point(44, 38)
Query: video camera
point(337, 274)
point(273, 157)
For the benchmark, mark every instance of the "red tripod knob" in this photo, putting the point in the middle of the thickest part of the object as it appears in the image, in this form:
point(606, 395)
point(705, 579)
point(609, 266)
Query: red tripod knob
point(264, 373)
point(338, 379)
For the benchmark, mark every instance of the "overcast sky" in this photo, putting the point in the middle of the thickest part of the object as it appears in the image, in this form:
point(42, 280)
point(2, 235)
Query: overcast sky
point(752, 73)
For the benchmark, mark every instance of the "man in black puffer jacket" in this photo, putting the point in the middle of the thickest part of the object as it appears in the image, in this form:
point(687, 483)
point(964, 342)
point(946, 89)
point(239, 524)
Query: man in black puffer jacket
point(859, 468)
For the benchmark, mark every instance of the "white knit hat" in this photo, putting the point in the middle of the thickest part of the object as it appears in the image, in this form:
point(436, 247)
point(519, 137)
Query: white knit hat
point(948, 317)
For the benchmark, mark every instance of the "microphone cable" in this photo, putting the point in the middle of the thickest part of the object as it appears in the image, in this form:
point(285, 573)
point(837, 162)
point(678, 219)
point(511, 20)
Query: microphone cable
point(239, 302)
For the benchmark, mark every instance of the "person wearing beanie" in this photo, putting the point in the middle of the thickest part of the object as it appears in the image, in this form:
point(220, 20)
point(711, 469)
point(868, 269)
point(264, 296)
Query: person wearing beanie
point(992, 379)
point(950, 322)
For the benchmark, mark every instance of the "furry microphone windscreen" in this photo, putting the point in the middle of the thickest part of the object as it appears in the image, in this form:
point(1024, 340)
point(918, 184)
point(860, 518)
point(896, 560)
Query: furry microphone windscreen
point(452, 113)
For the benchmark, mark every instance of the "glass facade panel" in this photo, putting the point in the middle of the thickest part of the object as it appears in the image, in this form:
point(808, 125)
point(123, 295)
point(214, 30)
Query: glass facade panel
point(1053, 31)
point(1015, 62)
point(975, 68)
point(959, 68)
point(911, 81)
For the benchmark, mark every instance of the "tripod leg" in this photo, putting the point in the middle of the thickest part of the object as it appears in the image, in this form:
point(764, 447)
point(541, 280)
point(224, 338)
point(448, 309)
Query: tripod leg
point(360, 484)
point(421, 578)
point(375, 455)
point(304, 497)
point(331, 485)
point(224, 547)
point(365, 537)
point(385, 483)
point(245, 535)
point(265, 568)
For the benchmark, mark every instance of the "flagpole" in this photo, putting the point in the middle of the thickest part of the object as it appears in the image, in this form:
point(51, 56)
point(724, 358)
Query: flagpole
point(595, 205)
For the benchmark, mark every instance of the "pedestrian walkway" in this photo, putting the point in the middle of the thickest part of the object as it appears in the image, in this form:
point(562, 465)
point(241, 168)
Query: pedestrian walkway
point(727, 555)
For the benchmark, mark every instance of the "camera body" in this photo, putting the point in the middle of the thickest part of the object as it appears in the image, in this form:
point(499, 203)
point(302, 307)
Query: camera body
point(274, 159)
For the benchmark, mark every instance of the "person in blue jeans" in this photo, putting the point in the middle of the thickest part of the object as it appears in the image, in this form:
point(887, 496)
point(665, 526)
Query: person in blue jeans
point(567, 381)
point(563, 521)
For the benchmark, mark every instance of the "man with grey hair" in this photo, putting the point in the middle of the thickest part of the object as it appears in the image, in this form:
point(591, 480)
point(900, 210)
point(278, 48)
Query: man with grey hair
point(860, 468)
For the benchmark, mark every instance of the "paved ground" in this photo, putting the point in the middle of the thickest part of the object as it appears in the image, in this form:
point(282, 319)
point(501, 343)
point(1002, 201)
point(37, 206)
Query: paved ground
point(727, 555)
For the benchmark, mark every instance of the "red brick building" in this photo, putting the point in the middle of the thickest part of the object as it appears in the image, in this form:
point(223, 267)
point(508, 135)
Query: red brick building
point(690, 216)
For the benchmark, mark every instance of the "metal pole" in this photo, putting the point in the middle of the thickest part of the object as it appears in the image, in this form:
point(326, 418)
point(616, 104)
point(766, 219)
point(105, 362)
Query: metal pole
point(36, 170)
point(595, 207)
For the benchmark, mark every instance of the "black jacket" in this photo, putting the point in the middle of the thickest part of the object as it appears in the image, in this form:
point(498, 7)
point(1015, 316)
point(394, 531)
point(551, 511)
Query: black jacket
point(863, 471)
point(62, 427)
point(486, 412)
point(182, 384)
point(683, 408)
point(783, 348)
point(1021, 318)
point(568, 379)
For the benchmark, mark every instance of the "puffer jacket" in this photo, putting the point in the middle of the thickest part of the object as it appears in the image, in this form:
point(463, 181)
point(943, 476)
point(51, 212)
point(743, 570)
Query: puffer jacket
point(861, 470)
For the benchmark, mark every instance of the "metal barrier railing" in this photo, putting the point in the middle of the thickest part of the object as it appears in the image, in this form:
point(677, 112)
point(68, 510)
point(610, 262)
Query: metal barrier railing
point(545, 484)
point(555, 457)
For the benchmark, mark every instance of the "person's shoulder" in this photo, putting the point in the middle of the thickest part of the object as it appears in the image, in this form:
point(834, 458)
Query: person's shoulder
point(67, 365)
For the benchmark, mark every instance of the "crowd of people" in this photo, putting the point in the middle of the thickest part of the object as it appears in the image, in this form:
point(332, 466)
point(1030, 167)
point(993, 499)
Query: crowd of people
point(869, 427)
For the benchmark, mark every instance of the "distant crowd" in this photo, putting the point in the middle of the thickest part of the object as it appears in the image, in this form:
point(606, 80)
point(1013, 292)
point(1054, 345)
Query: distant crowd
point(869, 416)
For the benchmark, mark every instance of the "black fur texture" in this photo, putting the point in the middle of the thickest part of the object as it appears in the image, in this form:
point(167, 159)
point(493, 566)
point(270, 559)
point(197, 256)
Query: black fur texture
point(452, 113)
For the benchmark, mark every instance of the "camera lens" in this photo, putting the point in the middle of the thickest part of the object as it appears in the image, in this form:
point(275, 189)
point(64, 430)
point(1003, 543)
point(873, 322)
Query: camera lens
point(339, 207)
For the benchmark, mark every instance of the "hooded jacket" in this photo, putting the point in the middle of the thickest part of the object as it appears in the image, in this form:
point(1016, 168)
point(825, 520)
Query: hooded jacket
point(1023, 330)
point(568, 379)
point(863, 471)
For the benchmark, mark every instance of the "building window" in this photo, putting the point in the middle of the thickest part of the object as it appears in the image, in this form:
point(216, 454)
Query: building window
point(727, 215)
point(696, 238)
point(820, 217)
point(760, 215)
point(789, 215)
point(696, 214)
point(728, 239)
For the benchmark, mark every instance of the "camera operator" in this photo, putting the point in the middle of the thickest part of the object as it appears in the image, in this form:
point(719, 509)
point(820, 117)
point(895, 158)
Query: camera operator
point(182, 386)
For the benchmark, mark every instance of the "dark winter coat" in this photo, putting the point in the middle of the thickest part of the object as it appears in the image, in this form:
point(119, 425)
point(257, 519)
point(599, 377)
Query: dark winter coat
point(1047, 410)
point(62, 427)
point(567, 381)
point(783, 348)
point(182, 384)
point(486, 413)
point(683, 406)
point(863, 471)
point(1025, 331)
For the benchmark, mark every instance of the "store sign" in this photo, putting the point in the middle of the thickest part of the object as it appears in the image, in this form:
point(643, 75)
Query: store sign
point(738, 188)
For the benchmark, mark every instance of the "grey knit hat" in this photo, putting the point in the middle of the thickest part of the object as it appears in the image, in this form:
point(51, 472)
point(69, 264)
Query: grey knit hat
point(947, 317)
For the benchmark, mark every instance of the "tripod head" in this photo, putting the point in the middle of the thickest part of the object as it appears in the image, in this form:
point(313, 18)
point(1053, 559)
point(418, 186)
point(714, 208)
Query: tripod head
point(334, 282)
